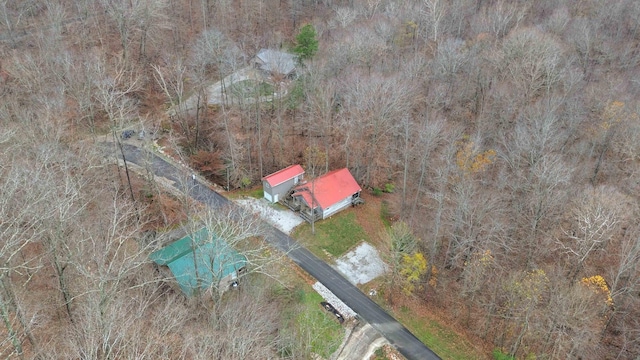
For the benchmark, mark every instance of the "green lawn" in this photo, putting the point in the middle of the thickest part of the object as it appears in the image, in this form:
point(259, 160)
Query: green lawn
point(251, 88)
point(315, 329)
point(255, 192)
point(327, 333)
point(335, 235)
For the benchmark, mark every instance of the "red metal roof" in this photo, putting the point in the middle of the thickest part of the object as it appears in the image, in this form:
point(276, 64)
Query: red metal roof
point(283, 175)
point(329, 188)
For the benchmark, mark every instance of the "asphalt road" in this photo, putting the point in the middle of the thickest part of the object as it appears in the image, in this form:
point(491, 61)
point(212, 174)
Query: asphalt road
point(393, 331)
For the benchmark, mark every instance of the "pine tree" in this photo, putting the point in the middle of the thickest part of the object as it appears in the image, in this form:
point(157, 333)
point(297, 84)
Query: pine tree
point(306, 42)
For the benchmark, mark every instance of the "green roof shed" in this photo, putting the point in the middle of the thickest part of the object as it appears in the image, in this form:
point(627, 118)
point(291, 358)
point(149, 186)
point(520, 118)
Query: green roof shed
point(199, 260)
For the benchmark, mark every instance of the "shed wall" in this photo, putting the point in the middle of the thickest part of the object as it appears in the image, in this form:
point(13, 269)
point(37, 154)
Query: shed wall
point(267, 191)
point(278, 192)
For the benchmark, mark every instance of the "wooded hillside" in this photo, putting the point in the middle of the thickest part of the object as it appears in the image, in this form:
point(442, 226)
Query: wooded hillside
point(507, 131)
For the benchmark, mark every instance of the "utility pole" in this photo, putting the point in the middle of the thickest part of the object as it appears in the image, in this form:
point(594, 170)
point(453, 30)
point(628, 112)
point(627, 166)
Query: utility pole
point(313, 211)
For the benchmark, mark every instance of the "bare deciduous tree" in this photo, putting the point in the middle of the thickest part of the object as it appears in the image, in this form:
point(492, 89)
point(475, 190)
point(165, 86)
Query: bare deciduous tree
point(21, 225)
point(110, 300)
point(503, 16)
point(345, 15)
point(144, 17)
point(595, 219)
point(434, 13)
point(373, 104)
point(115, 92)
point(533, 62)
point(570, 322)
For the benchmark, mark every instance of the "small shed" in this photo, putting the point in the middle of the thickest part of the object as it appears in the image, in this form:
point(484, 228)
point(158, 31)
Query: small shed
point(275, 62)
point(327, 194)
point(275, 186)
point(201, 261)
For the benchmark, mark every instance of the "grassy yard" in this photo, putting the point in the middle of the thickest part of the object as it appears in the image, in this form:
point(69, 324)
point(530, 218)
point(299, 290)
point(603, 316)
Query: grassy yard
point(255, 192)
point(251, 88)
point(327, 332)
point(335, 235)
point(314, 328)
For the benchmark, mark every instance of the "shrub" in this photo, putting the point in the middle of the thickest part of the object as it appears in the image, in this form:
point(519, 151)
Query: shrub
point(499, 355)
point(245, 182)
point(165, 126)
point(385, 213)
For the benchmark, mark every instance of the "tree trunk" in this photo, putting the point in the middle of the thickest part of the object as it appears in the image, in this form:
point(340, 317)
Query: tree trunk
point(63, 284)
point(259, 124)
point(126, 167)
point(5, 302)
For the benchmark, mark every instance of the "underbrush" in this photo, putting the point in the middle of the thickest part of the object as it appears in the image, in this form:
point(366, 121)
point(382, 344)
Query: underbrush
point(445, 342)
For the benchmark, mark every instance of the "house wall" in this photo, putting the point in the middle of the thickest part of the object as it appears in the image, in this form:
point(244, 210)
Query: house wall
point(225, 282)
point(336, 207)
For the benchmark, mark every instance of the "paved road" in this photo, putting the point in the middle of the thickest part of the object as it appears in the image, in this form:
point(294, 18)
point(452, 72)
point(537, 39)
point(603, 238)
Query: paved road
point(398, 335)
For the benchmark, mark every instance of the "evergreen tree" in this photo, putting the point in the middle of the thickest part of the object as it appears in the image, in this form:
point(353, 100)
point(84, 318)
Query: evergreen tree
point(306, 42)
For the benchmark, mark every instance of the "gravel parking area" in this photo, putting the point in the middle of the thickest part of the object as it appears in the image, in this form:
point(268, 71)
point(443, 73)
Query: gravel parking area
point(361, 264)
point(282, 219)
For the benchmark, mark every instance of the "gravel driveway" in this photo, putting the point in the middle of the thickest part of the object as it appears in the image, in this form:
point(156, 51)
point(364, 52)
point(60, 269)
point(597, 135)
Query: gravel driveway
point(283, 219)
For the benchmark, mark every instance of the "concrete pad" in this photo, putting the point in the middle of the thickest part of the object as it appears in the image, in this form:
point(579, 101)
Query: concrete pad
point(361, 265)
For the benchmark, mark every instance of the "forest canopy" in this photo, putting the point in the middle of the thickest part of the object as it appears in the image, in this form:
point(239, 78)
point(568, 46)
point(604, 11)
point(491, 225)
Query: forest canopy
point(507, 130)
